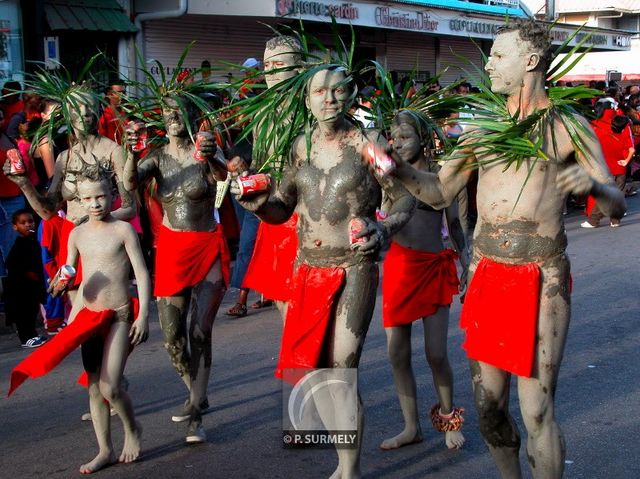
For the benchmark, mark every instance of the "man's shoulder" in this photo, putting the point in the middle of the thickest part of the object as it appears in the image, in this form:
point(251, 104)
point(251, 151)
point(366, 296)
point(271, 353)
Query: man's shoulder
point(110, 145)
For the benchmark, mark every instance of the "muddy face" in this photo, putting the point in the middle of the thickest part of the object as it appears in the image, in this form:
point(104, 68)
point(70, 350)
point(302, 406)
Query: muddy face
point(173, 115)
point(406, 142)
point(507, 63)
point(329, 95)
point(83, 112)
point(276, 58)
point(95, 197)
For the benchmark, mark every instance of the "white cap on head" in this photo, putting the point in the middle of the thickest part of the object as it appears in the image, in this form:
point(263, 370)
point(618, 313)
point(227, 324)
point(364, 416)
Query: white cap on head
point(251, 63)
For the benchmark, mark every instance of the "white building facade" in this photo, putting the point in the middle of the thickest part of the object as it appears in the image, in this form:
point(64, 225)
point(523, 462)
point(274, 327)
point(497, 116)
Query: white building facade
point(428, 36)
point(623, 15)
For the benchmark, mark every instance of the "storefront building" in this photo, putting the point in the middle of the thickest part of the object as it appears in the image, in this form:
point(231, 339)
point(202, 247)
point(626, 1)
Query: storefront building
point(624, 15)
point(429, 36)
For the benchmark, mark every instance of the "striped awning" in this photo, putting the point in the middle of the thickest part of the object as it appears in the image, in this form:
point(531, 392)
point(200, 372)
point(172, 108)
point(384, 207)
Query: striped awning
point(89, 15)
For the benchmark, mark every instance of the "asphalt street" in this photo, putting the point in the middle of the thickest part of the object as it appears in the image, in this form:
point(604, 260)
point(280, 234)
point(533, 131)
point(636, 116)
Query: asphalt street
point(598, 398)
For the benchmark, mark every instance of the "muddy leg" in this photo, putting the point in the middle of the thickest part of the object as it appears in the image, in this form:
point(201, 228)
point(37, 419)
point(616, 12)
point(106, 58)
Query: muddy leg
point(172, 312)
point(436, 332)
point(207, 296)
point(545, 442)
point(102, 427)
point(116, 351)
point(491, 396)
point(399, 349)
point(354, 310)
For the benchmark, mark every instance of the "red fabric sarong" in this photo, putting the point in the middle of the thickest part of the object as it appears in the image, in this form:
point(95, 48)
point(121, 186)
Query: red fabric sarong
point(416, 283)
point(183, 258)
point(500, 315)
point(50, 354)
point(309, 313)
point(271, 268)
point(591, 202)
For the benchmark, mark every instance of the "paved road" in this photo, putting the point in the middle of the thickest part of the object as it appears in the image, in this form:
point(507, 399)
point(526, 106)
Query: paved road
point(598, 400)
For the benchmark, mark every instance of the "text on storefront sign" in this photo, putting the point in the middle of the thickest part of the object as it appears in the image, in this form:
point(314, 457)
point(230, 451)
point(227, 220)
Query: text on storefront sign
point(405, 20)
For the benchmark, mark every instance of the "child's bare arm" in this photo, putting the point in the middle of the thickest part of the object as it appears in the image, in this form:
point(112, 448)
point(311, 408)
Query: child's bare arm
point(140, 328)
point(56, 286)
point(72, 249)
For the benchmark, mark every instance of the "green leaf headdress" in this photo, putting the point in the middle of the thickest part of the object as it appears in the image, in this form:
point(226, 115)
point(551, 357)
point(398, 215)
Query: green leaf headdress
point(276, 116)
point(499, 137)
point(181, 88)
point(428, 109)
point(65, 93)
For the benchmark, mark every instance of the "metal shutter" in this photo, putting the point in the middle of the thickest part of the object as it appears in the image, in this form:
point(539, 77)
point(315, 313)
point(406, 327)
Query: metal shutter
point(406, 51)
point(229, 39)
point(451, 49)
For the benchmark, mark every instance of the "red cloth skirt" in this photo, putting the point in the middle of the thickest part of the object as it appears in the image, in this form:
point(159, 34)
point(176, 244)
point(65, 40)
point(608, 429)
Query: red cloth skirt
point(416, 283)
point(309, 314)
point(271, 267)
point(44, 359)
point(183, 258)
point(500, 315)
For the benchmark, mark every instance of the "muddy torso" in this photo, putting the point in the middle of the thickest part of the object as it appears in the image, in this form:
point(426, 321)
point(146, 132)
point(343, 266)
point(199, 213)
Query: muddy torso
point(332, 187)
point(106, 265)
point(186, 193)
point(423, 231)
point(520, 211)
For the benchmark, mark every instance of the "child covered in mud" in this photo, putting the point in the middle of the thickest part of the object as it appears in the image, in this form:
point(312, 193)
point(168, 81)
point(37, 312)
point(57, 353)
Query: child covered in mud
point(106, 321)
point(109, 248)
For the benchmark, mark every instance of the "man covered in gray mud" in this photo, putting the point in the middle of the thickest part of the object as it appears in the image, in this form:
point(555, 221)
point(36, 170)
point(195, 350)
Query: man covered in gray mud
point(517, 308)
point(335, 280)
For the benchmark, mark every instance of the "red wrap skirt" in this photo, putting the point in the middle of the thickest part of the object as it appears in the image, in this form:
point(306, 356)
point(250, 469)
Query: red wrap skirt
point(44, 359)
point(416, 283)
point(183, 258)
point(271, 268)
point(309, 315)
point(500, 315)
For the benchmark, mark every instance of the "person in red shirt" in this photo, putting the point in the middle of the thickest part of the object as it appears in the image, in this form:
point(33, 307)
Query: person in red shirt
point(111, 123)
point(11, 101)
point(614, 132)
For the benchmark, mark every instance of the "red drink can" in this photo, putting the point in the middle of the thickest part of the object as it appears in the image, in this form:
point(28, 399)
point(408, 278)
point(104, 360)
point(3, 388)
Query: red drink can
point(143, 135)
point(381, 215)
point(197, 154)
point(15, 159)
point(382, 163)
point(355, 226)
point(66, 273)
point(253, 184)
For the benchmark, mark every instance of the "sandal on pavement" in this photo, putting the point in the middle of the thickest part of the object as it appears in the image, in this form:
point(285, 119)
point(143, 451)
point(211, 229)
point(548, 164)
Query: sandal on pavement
point(263, 303)
point(238, 310)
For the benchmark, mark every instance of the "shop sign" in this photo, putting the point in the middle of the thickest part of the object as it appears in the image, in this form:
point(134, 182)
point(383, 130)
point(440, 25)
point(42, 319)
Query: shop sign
point(403, 20)
point(474, 27)
point(340, 11)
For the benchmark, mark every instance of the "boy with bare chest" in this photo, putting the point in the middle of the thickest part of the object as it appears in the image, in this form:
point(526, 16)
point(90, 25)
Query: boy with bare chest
point(102, 321)
point(109, 248)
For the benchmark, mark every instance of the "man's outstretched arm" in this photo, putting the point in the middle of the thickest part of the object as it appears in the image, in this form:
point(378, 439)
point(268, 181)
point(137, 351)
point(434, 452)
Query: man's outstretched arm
point(437, 190)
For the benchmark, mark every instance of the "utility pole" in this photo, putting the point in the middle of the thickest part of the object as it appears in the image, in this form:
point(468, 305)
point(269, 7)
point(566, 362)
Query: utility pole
point(550, 10)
